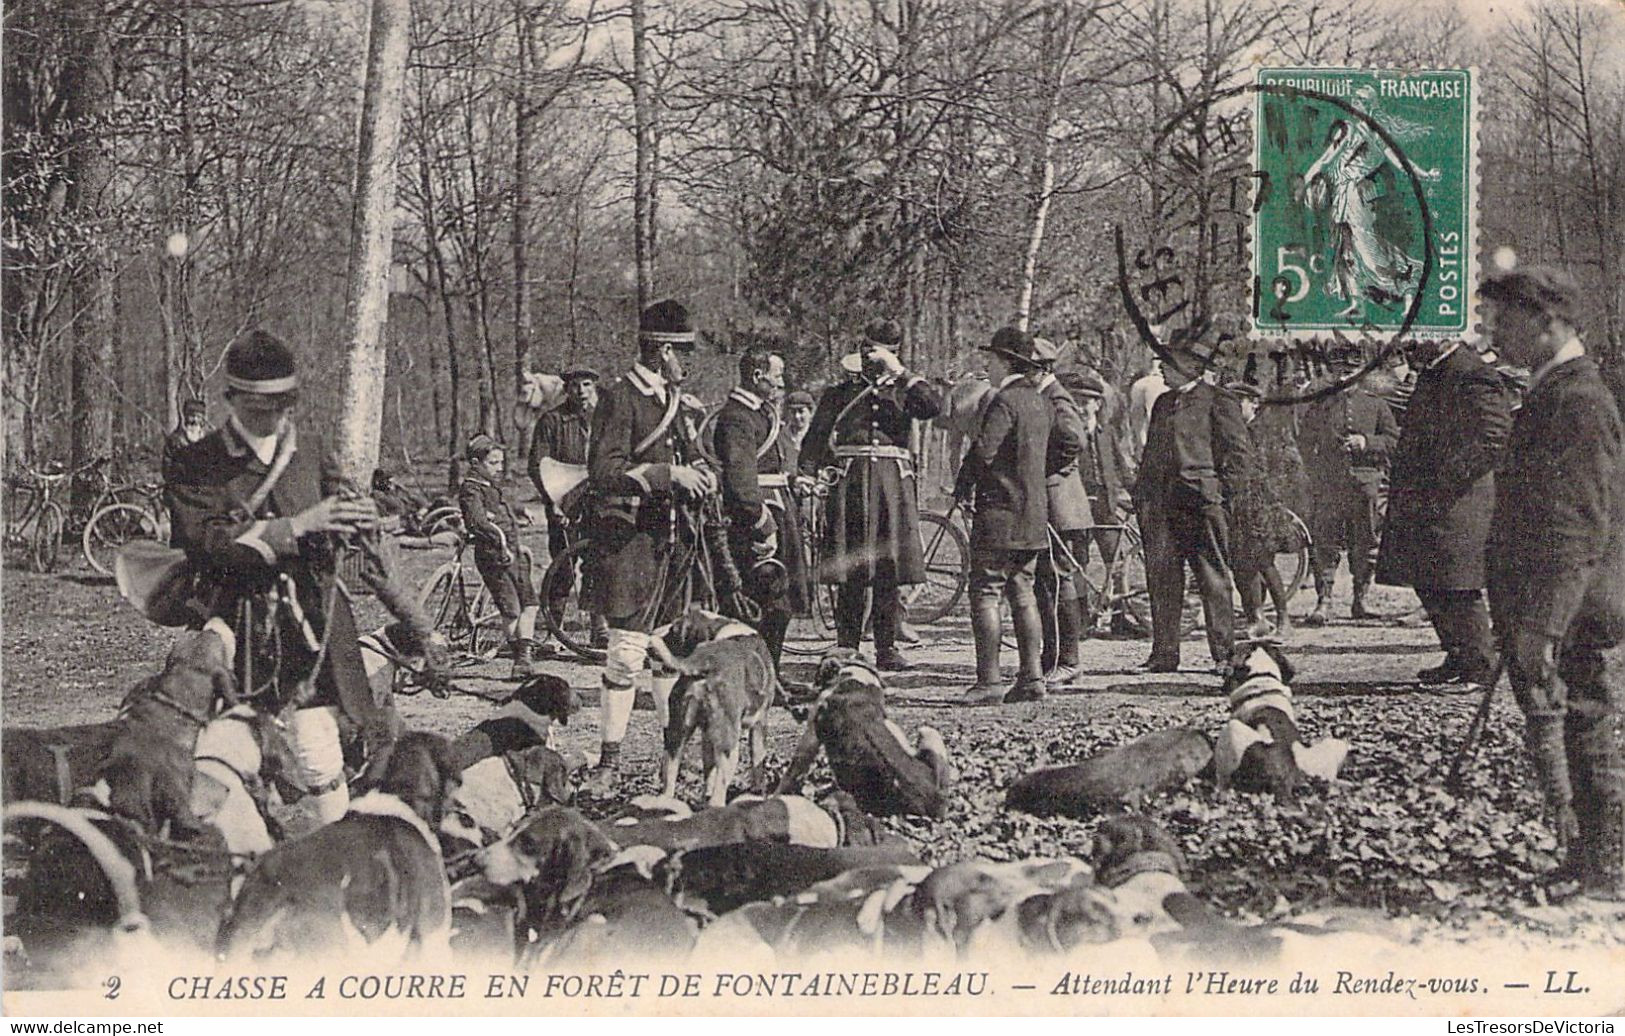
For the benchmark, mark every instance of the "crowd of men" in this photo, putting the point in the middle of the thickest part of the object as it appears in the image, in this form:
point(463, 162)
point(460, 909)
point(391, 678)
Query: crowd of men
point(1530, 506)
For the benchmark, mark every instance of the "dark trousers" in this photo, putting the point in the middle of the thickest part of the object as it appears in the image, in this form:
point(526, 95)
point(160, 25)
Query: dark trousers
point(1343, 516)
point(1462, 622)
point(1176, 536)
point(1056, 585)
point(850, 599)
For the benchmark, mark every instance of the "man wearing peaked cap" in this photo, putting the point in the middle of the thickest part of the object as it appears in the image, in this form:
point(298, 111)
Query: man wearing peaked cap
point(639, 463)
point(861, 428)
point(561, 435)
point(1556, 558)
point(253, 504)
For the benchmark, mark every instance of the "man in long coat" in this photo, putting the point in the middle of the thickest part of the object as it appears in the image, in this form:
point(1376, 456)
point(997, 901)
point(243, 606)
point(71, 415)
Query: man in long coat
point(637, 465)
point(1196, 450)
point(1440, 496)
point(1002, 482)
point(871, 536)
point(1345, 439)
point(1557, 570)
point(254, 503)
point(757, 457)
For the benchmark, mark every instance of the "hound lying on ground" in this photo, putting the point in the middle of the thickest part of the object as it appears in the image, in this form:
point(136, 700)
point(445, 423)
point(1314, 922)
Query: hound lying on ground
point(869, 754)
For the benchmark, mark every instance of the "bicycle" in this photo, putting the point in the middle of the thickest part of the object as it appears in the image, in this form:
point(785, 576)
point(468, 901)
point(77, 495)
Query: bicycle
point(460, 608)
point(947, 573)
point(33, 520)
point(688, 577)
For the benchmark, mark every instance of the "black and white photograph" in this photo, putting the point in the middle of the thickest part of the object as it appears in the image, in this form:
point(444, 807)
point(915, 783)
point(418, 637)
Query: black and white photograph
point(703, 508)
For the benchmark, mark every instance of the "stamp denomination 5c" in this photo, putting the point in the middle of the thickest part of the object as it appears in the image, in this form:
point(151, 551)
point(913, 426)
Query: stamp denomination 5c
point(1365, 214)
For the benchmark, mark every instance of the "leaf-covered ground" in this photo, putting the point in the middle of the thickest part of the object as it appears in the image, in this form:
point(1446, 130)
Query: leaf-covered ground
point(1387, 836)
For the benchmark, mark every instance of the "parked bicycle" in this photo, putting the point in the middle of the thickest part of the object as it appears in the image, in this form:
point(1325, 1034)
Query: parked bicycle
point(34, 521)
point(459, 606)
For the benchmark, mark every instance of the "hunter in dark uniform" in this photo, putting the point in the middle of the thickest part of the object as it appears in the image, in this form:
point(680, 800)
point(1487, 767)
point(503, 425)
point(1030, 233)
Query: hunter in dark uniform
point(563, 435)
point(253, 504)
point(637, 466)
point(1069, 516)
point(1557, 570)
point(872, 526)
point(1345, 439)
point(1196, 450)
point(757, 459)
point(1002, 484)
point(1441, 492)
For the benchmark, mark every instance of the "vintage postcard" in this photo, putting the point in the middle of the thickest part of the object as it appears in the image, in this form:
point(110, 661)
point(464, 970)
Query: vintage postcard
point(743, 507)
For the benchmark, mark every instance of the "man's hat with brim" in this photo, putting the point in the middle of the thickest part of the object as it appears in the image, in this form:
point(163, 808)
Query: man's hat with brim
point(579, 374)
point(799, 398)
point(479, 446)
point(1012, 343)
point(1549, 289)
point(667, 322)
point(261, 363)
point(1044, 352)
point(1083, 384)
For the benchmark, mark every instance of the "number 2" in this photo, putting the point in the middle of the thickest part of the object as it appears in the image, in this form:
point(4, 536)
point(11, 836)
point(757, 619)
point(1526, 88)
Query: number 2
point(112, 986)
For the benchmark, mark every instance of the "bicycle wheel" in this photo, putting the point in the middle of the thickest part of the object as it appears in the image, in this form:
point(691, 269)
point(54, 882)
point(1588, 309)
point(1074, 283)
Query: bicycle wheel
point(47, 543)
point(445, 599)
point(490, 631)
point(111, 528)
point(1298, 556)
point(443, 519)
point(947, 570)
point(561, 593)
point(1115, 595)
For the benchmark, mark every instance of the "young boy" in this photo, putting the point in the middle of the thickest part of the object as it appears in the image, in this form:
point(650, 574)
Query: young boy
point(493, 525)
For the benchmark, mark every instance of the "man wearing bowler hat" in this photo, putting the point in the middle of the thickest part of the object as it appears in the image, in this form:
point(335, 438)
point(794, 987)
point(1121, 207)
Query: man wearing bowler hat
point(1002, 484)
point(861, 428)
point(562, 434)
point(637, 467)
point(1196, 449)
point(1556, 574)
point(256, 507)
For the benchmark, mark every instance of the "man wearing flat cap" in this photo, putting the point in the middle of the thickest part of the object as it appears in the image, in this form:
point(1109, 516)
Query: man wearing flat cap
point(1345, 439)
point(862, 428)
point(1196, 449)
point(562, 435)
point(637, 466)
point(1557, 570)
point(1002, 483)
point(1441, 492)
point(255, 504)
point(798, 411)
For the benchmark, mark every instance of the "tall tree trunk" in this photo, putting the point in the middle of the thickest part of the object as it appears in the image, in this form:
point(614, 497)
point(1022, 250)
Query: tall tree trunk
point(521, 223)
point(88, 82)
point(643, 179)
point(372, 227)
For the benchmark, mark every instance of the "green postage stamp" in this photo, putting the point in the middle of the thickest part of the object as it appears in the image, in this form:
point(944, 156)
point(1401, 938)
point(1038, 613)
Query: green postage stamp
point(1364, 219)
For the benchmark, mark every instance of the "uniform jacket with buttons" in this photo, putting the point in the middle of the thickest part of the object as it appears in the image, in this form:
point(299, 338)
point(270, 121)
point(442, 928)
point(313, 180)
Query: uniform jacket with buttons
point(562, 434)
point(1196, 448)
point(752, 443)
point(242, 558)
point(882, 417)
point(1326, 422)
point(1556, 550)
point(490, 519)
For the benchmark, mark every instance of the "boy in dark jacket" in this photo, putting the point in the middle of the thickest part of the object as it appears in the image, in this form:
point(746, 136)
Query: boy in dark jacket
point(492, 523)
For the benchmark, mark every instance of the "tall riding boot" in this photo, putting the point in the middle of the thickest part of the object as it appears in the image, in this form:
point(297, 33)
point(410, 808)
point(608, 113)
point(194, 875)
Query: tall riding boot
point(773, 626)
point(984, 624)
point(1068, 631)
point(1544, 738)
point(1598, 775)
point(1323, 600)
point(522, 663)
point(1358, 610)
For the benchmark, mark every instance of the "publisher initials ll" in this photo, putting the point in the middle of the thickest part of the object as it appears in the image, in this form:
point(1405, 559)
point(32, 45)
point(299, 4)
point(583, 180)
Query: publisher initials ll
point(1568, 985)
